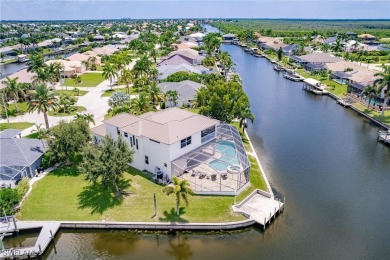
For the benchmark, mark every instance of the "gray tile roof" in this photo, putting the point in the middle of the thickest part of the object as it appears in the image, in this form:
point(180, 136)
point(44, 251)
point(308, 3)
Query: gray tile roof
point(187, 89)
point(10, 133)
point(166, 70)
point(20, 151)
point(166, 126)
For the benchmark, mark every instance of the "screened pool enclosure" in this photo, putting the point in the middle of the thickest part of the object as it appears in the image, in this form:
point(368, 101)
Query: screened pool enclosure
point(220, 166)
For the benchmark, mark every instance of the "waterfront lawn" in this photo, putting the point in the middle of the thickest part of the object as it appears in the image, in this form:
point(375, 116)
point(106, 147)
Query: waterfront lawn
point(71, 92)
point(109, 92)
point(64, 194)
point(76, 109)
point(333, 87)
point(19, 125)
point(87, 80)
point(377, 115)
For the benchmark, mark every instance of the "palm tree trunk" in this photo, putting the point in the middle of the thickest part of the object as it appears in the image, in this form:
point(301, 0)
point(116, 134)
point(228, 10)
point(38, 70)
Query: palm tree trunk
point(16, 104)
point(46, 120)
point(384, 106)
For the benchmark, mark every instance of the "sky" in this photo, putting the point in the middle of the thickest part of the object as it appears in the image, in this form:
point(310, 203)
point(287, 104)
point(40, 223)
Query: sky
point(136, 9)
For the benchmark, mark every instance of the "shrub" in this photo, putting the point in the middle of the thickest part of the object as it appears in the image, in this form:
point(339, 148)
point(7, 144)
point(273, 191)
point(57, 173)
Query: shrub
point(23, 186)
point(8, 198)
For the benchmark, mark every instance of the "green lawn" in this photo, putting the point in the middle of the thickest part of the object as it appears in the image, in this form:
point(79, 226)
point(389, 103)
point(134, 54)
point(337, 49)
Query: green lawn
point(19, 125)
point(78, 110)
point(334, 87)
point(87, 80)
point(108, 93)
point(65, 195)
point(32, 136)
point(70, 92)
point(377, 115)
point(22, 106)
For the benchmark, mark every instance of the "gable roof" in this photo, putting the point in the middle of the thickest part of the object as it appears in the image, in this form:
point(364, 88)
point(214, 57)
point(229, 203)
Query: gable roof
point(318, 57)
point(176, 59)
point(166, 126)
point(20, 151)
point(166, 70)
point(187, 89)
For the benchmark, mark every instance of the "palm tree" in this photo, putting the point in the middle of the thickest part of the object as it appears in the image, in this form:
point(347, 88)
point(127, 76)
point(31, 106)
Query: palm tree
point(14, 88)
point(42, 76)
point(181, 189)
point(127, 78)
point(371, 92)
point(383, 81)
point(86, 117)
point(109, 72)
point(172, 96)
point(35, 63)
point(54, 69)
point(226, 62)
point(338, 46)
point(142, 66)
point(42, 101)
point(141, 104)
point(42, 133)
point(153, 54)
point(246, 113)
point(155, 94)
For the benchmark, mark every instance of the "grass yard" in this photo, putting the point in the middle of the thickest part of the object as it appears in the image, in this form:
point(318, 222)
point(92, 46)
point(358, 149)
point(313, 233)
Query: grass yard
point(334, 87)
point(72, 113)
point(22, 106)
point(19, 125)
point(65, 195)
point(87, 80)
point(71, 92)
point(108, 93)
point(377, 115)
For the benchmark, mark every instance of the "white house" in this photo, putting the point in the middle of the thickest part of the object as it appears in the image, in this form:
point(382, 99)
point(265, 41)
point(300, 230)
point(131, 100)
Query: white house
point(175, 142)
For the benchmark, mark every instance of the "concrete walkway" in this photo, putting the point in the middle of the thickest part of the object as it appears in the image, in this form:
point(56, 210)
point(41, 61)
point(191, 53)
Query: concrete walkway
point(94, 103)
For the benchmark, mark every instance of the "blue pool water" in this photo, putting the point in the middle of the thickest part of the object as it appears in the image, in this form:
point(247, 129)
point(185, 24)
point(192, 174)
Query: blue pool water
point(229, 156)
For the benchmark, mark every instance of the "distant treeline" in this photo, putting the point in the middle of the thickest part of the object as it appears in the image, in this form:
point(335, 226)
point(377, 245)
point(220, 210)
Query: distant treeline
point(299, 28)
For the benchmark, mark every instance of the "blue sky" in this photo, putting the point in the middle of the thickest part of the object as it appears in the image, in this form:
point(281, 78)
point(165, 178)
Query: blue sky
point(106, 9)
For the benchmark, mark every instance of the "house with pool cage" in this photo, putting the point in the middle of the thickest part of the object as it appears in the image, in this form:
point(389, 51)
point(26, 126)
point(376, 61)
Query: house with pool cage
point(175, 142)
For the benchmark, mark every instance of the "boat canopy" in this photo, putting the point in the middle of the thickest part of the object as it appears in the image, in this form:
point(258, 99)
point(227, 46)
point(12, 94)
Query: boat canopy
point(312, 82)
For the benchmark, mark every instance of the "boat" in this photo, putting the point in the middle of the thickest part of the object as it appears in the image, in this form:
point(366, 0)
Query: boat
point(273, 61)
point(22, 58)
point(384, 136)
point(247, 49)
point(279, 68)
point(258, 55)
point(293, 77)
point(345, 102)
point(314, 86)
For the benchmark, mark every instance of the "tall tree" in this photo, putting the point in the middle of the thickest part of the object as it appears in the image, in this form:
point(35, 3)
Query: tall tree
point(109, 72)
point(14, 88)
point(372, 92)
point(68, 138)
point(127, 78)
point(35, 63)
point(106, 163)
point(89, 118)
point(383, 82)
point(172, 96)
point(181, 189)
point(141, 104)
point(43, 100)
point(155, 94)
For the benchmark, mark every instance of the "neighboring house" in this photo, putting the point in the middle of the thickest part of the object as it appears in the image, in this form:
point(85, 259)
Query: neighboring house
point(20, 157)
point(228, 37)
point(190, 56)
point(186, 90)
point(61, 35)
point(83, 57)
point(351, 35)
point(265, 43)
point(314, 60)
point(331, 40)
point(291, 49)
point(175, 142)
point(367, 38)
point(165, 70)
point(22, 75)
point(69, 67)
point(98, 38)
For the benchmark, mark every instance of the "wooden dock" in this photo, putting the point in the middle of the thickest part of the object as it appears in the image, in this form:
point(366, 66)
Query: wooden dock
point(384, 136)
point(345, 102)
point(46, 235)
point(260, 206)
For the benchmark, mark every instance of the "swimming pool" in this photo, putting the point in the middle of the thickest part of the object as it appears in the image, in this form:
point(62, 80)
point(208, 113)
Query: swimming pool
point(228, 157)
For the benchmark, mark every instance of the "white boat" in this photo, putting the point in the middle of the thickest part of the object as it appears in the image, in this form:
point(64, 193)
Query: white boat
point(279, 68)
point(293, 77)
point(314, 86)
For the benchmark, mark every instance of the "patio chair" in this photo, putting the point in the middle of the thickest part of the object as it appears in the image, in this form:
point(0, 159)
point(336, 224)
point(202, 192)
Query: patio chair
point(213, 177)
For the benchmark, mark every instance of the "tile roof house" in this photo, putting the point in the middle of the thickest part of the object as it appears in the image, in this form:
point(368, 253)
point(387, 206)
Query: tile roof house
point(19, 157)
point(186, 89)
point(165, 70)
point(188, 56)
point(314, 60)
point(157, 138)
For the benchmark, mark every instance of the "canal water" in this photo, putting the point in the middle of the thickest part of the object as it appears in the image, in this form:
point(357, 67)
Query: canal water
point(10, 68)
point(323, 158)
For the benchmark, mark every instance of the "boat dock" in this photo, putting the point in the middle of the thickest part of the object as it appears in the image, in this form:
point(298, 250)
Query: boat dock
point(345, 102)
point(384, 136)
point(260, 206)
point(314, 86)
point(47, 232)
